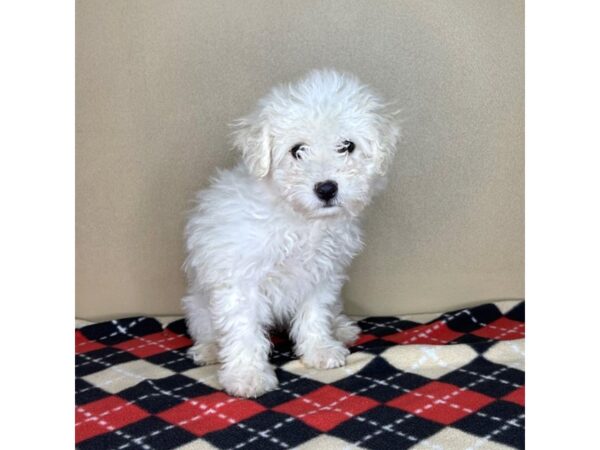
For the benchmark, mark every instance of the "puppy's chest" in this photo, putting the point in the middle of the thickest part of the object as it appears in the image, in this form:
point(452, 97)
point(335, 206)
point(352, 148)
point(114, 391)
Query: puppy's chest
point(306, 258)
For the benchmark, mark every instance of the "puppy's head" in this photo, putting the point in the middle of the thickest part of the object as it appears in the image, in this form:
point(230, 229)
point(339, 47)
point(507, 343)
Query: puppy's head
point(323, 144)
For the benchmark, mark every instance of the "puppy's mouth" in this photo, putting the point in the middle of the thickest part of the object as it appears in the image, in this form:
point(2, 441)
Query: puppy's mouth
point(329, 208)
point(330, 204)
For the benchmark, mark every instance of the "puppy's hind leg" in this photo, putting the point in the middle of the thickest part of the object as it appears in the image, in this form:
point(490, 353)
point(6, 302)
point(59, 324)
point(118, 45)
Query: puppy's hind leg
point(205, 349)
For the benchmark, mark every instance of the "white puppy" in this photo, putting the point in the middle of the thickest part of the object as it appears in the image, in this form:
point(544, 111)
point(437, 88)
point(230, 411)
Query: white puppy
point(270, 240)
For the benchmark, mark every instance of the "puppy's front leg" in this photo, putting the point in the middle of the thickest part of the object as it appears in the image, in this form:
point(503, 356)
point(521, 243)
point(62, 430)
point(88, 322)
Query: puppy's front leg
point(312, 331)
point(239, 317)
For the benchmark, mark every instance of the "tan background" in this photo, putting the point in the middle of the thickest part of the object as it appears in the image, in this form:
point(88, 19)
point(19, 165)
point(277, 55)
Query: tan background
point(158, 81)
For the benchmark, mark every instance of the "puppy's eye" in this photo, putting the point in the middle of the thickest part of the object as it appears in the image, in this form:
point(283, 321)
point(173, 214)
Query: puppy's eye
point(346, 147)
point(297, 150)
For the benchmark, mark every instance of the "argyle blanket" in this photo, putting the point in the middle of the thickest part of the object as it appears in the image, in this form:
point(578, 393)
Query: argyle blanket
point(428, 381)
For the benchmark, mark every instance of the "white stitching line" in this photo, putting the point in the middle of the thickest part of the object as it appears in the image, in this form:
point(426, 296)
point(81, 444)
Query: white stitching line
point(114, 333)
point(328, 407)
point(261, 433)
point(363, 320)
point(432, 397)
point(431, 352)
point(442, 363)
point(170, 393)
point(265, 432)
point(181, 397)
point(482, 440)
point(196, 381)
point(106, 383)
point(433, 325)
point(512, 330)
point(112, 429)
point(437, 323)
point(113, 380)
point(380, 325)
point(374, 325)
point(495, 327)
point(124, 331)
point(146, 343)
point(289, 381)
point(364, 348)
point(179, 388)
point(339, 400)
point(199, 380)
point(439, 320)
point(423, 333)
point(212, 410)
point(119, 352)
point(489, 377)
point(144, 397)
point(429, 405)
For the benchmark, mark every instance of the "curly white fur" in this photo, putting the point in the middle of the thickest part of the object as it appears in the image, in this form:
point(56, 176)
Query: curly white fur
point(264, 250)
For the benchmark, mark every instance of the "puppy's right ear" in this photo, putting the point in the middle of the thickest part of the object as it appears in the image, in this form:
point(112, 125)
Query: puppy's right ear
point(252, 137)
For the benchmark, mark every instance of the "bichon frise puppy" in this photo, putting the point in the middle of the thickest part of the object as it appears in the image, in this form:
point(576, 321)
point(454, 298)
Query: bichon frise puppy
point(269, 241)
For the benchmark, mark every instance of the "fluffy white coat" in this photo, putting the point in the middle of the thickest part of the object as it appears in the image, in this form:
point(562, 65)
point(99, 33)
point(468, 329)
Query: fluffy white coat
point(264, 250)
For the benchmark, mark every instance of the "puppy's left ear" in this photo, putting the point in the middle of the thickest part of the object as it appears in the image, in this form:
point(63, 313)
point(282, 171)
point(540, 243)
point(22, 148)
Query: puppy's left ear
point(388, 128)
point(252, 136)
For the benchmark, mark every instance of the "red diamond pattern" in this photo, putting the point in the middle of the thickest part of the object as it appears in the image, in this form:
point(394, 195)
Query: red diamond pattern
point(105, 415)
point(517, 396)
point(503, 328)
point(433, 333)
point(84, 345)
point(153, 344)
point(111, 412)
point(441, 402)
point(207, 413)
point(363, 339)
point(327, 407)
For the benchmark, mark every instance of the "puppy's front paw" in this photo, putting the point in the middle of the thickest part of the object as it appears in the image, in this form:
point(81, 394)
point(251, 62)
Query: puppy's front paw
point(247, 381)
point(326, 356)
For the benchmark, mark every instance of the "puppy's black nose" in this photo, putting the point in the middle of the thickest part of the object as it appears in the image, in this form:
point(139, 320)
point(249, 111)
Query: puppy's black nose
point(326, 190)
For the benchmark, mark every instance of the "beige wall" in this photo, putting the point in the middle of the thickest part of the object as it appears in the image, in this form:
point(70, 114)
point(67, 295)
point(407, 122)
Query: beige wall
point(158, 80)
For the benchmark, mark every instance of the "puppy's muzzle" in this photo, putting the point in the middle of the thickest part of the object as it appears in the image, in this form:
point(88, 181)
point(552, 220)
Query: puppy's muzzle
point(326, 190)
